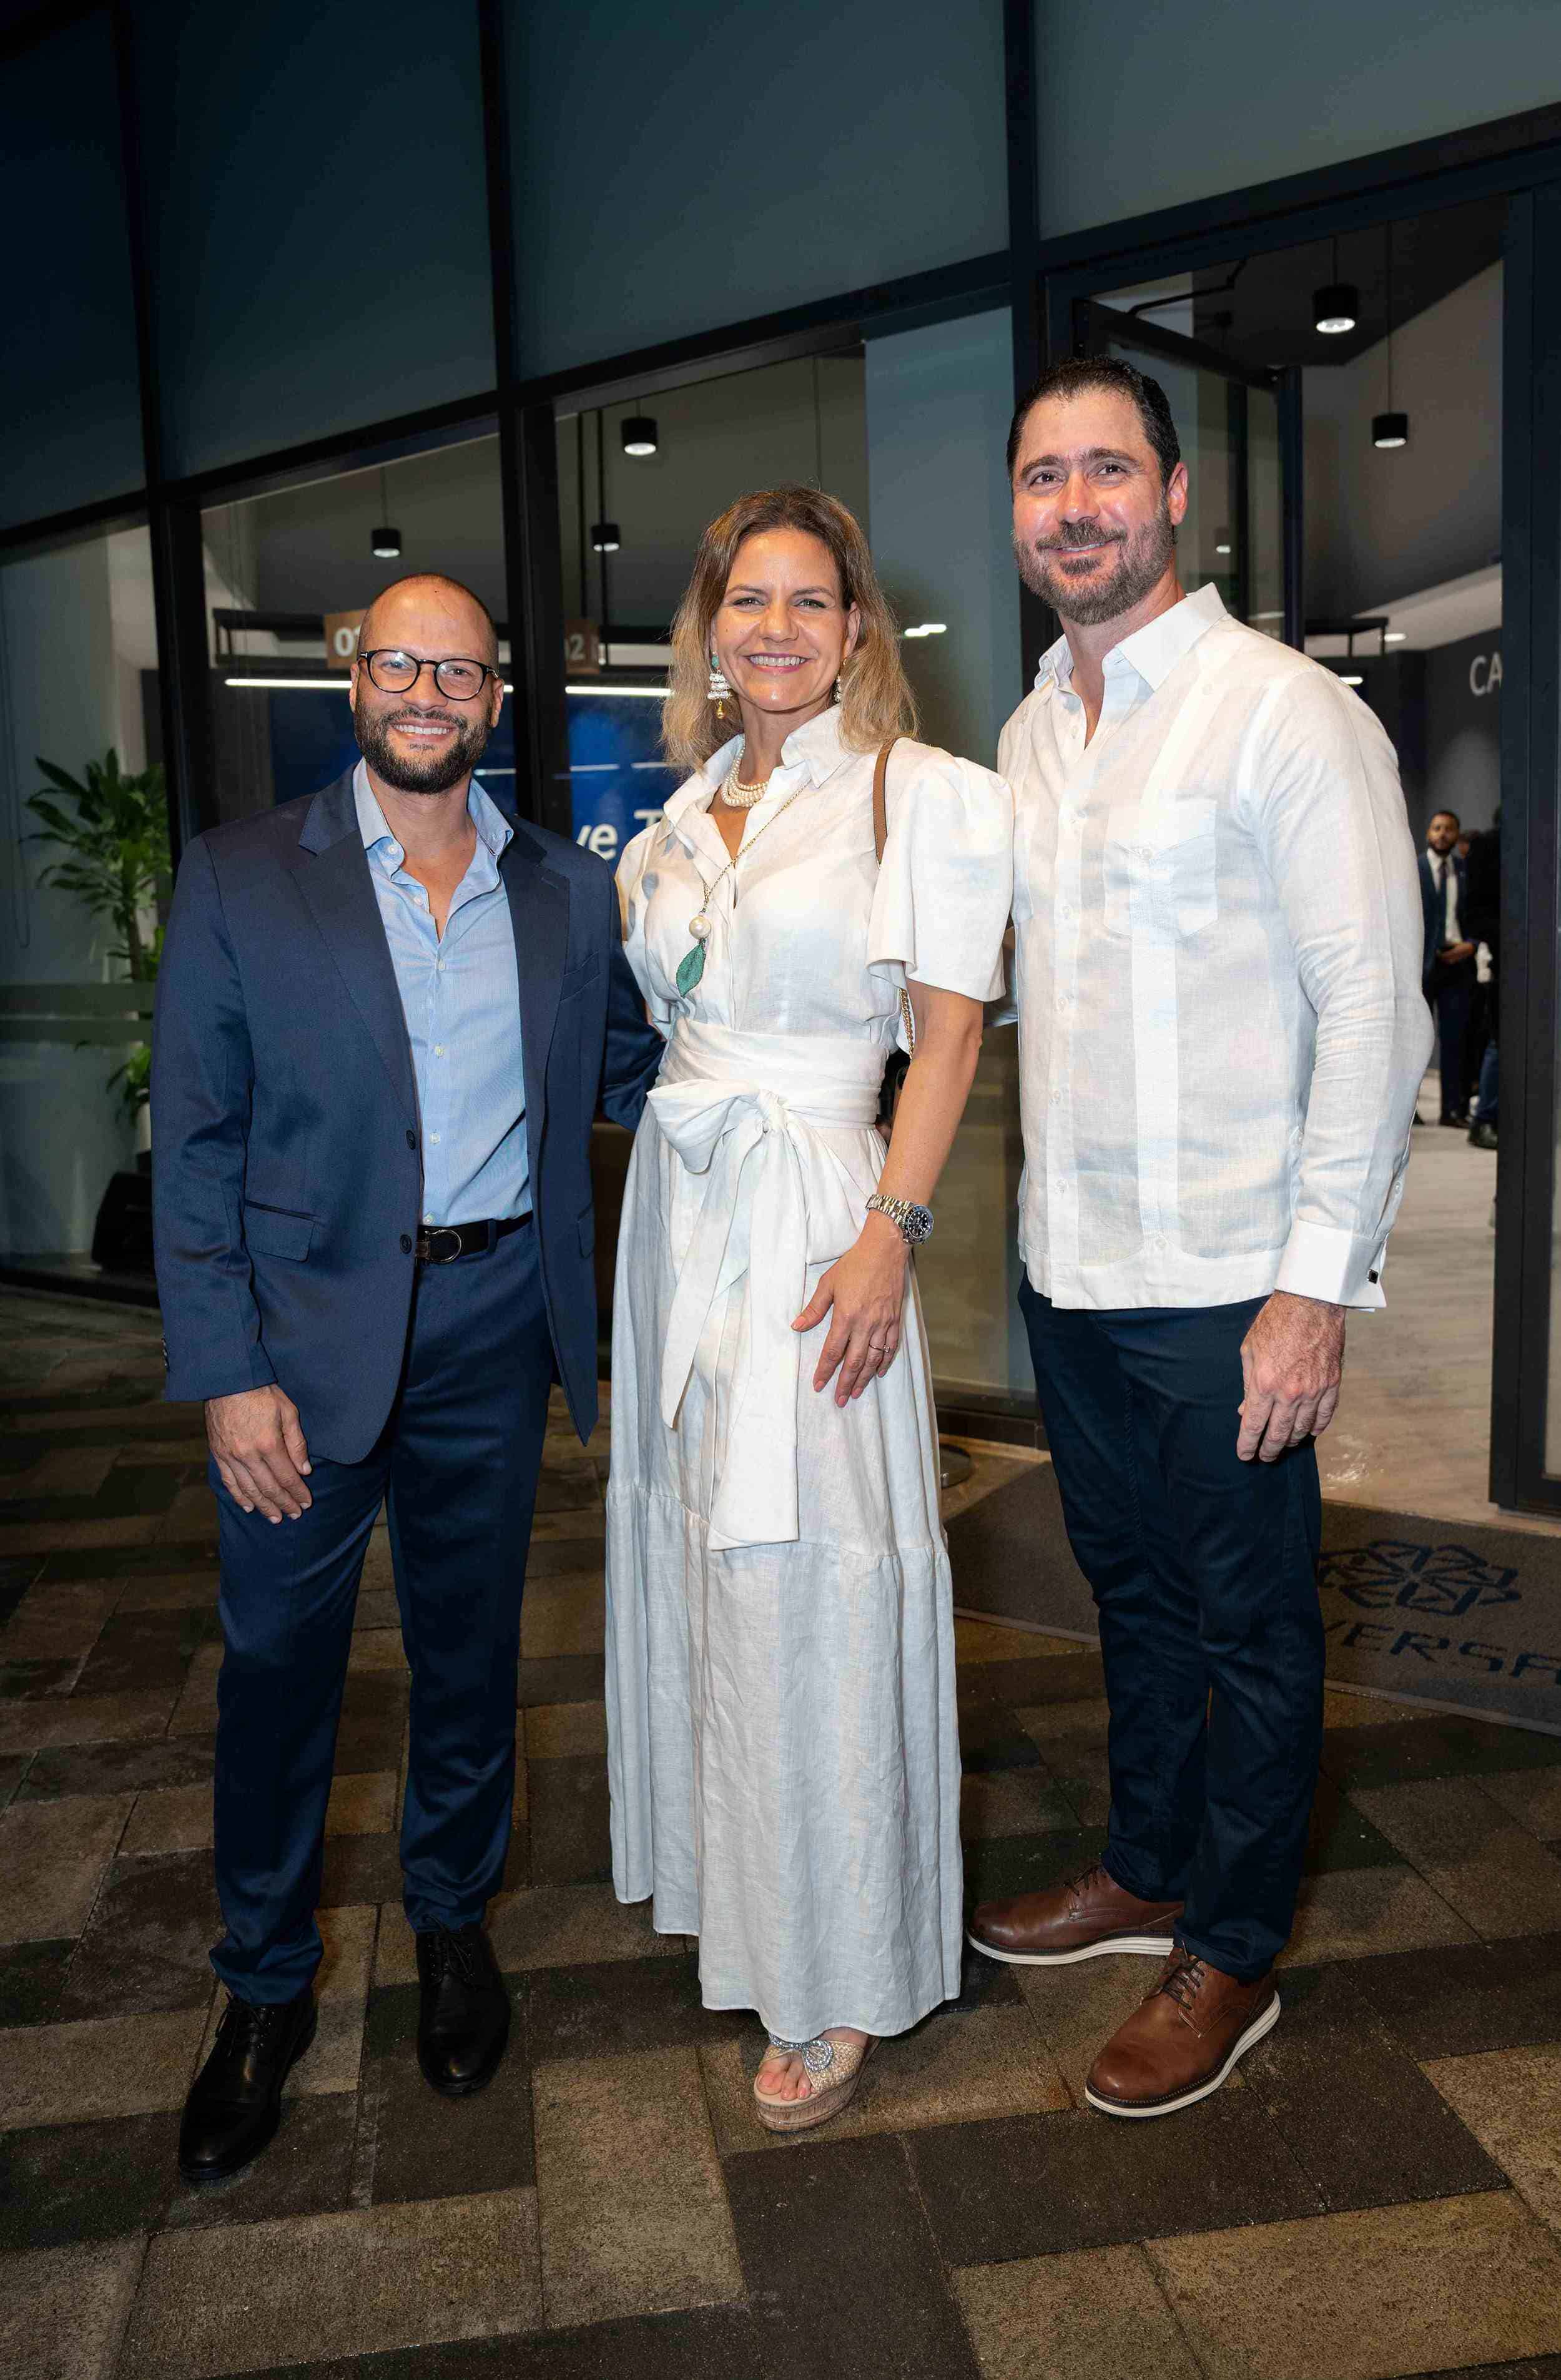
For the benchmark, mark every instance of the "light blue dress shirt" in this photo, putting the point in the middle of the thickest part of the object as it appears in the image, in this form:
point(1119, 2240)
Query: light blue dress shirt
point(461, 999)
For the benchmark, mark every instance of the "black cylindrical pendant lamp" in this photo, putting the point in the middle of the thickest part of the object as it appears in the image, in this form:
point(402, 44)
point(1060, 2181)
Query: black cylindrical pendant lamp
point(605, 537)
point(1390, 429)
point(640, 434)
point(1336, 309)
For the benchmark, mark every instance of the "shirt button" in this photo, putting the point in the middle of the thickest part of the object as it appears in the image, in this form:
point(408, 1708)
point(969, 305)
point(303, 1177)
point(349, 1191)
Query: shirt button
point(411, 1138)
point(427, 1219)
point(405, 1243)
point(1057, 1098)
point(433, 1136)
point(439, 1049)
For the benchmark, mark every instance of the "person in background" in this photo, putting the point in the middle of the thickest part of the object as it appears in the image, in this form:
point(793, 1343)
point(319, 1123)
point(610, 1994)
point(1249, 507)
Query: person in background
point(1484, 925)
point(1221, 1036)
point(1447, 975)
point(385, 1016)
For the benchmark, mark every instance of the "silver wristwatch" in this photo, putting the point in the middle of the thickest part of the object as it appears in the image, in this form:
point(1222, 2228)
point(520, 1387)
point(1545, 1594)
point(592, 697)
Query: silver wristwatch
point(914, 1223)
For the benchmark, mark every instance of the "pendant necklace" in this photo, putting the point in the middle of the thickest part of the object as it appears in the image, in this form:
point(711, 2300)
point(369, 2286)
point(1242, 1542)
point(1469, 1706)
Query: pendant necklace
point(703, 924)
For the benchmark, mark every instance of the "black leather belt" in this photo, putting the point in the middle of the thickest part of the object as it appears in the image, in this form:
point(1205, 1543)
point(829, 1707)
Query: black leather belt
point(442, 1244)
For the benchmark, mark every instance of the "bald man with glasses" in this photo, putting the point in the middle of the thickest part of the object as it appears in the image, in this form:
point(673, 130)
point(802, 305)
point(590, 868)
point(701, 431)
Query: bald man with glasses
point(386, 1016)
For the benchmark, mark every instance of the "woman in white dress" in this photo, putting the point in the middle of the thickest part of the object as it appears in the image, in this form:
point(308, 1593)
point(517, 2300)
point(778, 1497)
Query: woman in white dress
point(782, 1744)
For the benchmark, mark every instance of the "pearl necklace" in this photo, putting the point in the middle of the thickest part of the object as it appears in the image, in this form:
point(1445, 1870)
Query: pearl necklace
point(738, 796)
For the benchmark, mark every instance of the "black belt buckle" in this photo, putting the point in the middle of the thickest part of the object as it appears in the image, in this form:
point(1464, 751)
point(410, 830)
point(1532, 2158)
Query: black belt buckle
point(428, 1253)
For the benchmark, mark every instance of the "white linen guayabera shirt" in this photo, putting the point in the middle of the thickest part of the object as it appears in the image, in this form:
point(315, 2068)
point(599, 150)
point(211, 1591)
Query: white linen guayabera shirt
point(1219, 937)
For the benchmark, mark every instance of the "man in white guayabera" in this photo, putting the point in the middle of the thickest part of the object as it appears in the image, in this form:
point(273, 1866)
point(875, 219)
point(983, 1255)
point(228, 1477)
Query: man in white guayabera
point(1220, 1033)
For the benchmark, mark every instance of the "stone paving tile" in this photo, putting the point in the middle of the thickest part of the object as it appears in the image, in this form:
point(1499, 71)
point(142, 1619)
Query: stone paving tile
point(376, 1608)
point(1059, 1678)
point(193, 1590)
point(345, 2283)
point(1353, 2107)
point(1533, 1796)
point(1432, 1745)
point(106, 2066)
point(128, 1766)
point(426, 2146)
point(1001, 1865)
point(146, 1944)
point(50, 1620)
point(1039, 2185)
point(1360, 1913)
point(622, 2005)
point(633, 2217)
point(195, 1713)
point(1474, 2278)
point(373, 1721)
point(1097, 2314)
point(361, 1870)
point(949, 2069)
point(574, 1678)
point(141, 1649)
point(1483, 1864)
point(363, 1805)
point(1510, 2099)
point(556, 1730)
point(1011, 1802)
point(1469, 1999)
point(62, 2310)
point(84, 1718)
point(377, 1648)
point(176, 1819)
point(561, 1619)
point(881, 2312)
point(31, 1980)
point(567, 1810)
point(53, 1859)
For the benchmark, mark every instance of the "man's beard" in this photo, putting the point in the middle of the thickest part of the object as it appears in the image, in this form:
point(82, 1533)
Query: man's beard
point(1141, 564)
point(434, 772)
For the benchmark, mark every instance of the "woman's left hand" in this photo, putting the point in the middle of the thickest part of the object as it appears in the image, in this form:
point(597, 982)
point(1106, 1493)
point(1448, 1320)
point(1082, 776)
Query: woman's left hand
point(866, 1289)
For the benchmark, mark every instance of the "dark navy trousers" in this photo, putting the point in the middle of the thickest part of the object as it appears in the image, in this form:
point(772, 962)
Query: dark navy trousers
point(1204, 1573)
point(457, 1463)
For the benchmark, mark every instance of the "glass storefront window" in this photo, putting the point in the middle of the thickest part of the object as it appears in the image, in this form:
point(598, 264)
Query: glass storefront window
point(79, 700)
point(288, 577)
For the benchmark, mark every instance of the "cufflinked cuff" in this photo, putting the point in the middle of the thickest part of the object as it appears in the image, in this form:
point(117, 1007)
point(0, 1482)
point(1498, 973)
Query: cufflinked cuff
point(1320, 1261)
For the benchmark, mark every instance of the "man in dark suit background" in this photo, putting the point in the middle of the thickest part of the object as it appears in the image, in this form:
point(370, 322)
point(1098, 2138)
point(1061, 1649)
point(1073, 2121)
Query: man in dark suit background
point(1448, 977)
point(385, 1017)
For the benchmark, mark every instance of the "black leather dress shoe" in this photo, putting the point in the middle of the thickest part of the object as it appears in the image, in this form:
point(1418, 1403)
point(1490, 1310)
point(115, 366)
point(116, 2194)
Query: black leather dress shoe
point(1481, 1135)
point(463, 2022)
point(236, 2101)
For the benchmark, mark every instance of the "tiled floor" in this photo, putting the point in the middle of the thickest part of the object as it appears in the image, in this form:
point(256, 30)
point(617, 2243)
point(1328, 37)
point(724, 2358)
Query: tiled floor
point(1380, 2194)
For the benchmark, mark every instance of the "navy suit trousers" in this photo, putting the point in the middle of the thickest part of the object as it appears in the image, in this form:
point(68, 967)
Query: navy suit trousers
point(457, 1463)
point(1203, 1570)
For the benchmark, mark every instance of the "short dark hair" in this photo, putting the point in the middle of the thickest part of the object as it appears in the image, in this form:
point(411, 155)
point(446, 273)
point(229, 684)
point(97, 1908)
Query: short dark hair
point(1080, 372)
point(1445, 812)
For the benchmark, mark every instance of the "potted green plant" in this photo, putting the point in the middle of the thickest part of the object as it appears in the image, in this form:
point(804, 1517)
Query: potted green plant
point(117, 860)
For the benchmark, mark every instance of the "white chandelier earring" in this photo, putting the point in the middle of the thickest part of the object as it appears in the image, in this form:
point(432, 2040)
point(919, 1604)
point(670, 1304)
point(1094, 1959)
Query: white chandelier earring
point(719, 689)
point(838, 682)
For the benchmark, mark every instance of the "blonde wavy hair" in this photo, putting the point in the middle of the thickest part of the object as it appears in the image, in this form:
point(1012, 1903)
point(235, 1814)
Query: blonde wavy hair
point(875, 699)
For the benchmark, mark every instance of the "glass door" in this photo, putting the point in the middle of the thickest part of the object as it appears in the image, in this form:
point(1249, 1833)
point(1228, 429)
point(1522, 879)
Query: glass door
point(1241, 435)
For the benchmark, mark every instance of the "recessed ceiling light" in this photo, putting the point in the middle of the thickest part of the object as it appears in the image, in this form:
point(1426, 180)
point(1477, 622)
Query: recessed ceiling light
point(1351, 677)
point(1395, 635)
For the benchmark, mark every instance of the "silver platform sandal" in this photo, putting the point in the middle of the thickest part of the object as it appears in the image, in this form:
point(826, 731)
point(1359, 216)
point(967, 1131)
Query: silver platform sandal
point(833, 2070)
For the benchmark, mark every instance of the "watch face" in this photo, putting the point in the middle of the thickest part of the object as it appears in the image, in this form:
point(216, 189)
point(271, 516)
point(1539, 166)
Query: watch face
point(918, 1223)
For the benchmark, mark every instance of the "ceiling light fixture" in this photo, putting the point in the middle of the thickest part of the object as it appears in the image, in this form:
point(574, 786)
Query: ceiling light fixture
point(928, 628)
point(1395, 635)
point(1336, 307)
point(294, 684)
point(1222, 549)
point(605, 537)
point(640, 434)
point(1390, 428)
point(385, 543)
point(646, 693)
point(1351, 677)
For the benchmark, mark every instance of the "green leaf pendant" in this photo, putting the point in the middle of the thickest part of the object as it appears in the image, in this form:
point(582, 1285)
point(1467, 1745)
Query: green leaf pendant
point(690, 970)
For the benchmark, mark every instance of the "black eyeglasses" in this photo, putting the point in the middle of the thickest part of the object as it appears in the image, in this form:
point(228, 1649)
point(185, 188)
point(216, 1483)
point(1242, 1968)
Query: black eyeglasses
point(395, 671)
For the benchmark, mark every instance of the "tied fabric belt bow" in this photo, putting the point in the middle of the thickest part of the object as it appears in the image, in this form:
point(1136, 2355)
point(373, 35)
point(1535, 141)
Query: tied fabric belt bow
point(741, 1108)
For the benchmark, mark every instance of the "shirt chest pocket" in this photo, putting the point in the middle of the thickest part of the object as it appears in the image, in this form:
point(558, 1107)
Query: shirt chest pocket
point(1159, 870)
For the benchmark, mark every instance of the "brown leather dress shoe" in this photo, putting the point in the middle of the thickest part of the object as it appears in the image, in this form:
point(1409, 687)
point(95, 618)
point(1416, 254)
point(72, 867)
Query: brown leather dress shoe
point(1182, 2041)
point(1088, 1917)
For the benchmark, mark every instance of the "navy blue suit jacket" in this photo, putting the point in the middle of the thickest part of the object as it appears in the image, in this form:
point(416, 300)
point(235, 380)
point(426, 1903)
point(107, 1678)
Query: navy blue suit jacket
point(288, 1172)
point(1435, 978)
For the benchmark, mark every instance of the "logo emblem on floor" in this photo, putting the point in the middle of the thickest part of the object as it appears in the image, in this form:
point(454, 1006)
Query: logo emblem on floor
point(1444, 1581)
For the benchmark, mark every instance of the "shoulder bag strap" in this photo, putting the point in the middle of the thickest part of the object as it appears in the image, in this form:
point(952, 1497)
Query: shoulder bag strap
point(879, 837)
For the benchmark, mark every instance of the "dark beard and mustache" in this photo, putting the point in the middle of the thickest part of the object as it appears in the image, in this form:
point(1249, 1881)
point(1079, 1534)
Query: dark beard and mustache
point(433, 774)
point(1141, 564)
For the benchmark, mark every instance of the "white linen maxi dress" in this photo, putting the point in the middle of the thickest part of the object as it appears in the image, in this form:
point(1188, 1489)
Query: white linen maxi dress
point(782, 1751)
